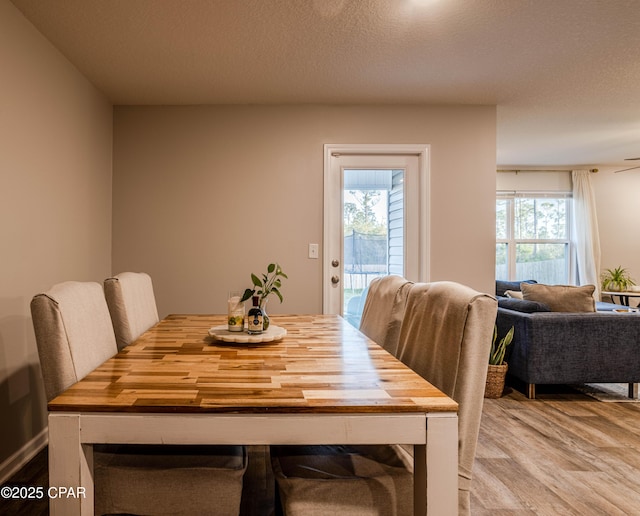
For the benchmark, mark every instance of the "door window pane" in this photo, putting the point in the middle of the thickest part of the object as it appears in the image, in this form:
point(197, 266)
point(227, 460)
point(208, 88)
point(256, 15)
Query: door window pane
point(373, 219)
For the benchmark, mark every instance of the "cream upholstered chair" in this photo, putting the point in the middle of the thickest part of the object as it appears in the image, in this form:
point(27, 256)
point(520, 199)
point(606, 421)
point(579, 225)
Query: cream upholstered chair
point(384, 309)
point(73, 332)
point(74, 335)
point(445, 337)
point(342, 480)
point(132, 305)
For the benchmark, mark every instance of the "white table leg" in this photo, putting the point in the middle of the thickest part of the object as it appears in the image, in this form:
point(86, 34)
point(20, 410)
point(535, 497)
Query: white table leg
point(436, 468)
point(70, 468)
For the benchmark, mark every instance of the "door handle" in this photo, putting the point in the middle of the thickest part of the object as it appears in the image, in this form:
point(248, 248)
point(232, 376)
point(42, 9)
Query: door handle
point(335, 263)
point(335, 280)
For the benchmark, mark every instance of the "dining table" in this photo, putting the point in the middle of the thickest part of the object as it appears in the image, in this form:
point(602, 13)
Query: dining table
point(319, 381)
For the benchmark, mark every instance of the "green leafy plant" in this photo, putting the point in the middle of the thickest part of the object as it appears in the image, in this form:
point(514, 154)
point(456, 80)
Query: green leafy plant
point(270, 283)
point(617, 279)
point(499, 347)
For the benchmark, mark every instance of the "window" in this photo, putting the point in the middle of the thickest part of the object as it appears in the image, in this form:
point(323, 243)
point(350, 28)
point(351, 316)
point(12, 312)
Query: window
point(533, 238)
point(373, 227)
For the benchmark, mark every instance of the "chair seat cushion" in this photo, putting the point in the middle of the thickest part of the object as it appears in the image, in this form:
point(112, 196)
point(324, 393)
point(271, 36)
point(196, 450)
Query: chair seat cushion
point(362, 480)
point(172, 480)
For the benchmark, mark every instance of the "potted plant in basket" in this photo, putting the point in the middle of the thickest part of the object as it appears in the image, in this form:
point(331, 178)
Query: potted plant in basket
point(270, 283)
point(497, 366)
point(617, 280)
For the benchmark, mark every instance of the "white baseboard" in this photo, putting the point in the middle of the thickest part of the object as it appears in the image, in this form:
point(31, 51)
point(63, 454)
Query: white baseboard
point(23, 455)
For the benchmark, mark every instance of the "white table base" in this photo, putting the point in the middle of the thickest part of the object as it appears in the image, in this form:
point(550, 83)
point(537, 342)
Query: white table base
point(434, 436)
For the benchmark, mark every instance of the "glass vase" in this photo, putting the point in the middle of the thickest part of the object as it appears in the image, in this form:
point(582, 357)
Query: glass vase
point(265, 317)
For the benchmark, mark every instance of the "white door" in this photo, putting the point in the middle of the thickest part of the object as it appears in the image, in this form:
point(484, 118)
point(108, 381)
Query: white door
point(375, 220)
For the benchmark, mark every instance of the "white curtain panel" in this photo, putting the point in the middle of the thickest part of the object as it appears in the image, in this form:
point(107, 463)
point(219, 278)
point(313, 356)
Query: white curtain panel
point(585, 231)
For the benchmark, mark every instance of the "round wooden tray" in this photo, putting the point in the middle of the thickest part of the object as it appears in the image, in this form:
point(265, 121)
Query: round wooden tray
point(274, 333)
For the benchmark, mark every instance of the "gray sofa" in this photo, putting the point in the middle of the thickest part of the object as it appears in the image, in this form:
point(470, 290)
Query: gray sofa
point(571, 348)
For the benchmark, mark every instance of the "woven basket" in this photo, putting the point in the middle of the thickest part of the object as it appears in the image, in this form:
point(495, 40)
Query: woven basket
point(495, 380)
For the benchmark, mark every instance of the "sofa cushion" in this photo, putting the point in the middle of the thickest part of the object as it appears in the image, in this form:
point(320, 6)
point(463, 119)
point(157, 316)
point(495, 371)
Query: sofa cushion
point(603, 306)
point(561, 298)
point(521, 305)
point(515, 294)
point(503, 286)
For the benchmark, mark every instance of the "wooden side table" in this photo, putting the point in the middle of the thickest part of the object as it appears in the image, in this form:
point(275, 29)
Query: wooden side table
point(622, 295)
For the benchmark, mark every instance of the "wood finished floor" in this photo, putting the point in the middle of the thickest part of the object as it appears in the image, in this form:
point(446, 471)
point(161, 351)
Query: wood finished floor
point(561, 454)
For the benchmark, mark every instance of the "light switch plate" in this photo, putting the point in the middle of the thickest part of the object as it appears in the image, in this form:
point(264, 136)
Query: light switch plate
point(313, 251)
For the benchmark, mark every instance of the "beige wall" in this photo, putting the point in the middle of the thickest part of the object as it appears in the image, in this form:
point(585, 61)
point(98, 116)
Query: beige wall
point(617, 201)
point(203, 196)
point(55, 205)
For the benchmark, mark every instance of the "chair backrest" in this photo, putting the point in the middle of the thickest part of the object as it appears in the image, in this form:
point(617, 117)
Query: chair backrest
point(132, 305)
point(73, 331)
point(446, 338)
point(384, 310)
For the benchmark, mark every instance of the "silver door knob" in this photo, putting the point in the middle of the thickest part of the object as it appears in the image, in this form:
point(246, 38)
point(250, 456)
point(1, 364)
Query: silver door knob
point(335, 263)
point(335, 280)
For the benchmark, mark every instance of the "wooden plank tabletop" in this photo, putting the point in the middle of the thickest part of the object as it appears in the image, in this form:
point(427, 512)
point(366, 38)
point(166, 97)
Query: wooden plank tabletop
point(322, 365)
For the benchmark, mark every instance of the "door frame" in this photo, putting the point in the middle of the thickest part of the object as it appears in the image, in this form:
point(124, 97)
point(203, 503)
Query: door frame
point(422, 151)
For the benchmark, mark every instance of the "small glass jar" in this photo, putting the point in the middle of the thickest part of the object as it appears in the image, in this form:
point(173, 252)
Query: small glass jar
point(235, 311)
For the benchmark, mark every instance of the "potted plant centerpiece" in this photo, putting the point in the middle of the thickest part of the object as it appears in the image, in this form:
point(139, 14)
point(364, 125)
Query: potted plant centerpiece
point(270, 283)
point(617, 280)
point(497, 366)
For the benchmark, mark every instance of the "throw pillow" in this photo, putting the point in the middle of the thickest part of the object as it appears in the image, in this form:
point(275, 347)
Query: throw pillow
point(520, 305)
point(562, 298)
point(503, 286)
point(515, 294)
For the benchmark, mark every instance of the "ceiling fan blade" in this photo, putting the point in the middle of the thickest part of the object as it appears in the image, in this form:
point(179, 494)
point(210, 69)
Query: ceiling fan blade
point(625, 169)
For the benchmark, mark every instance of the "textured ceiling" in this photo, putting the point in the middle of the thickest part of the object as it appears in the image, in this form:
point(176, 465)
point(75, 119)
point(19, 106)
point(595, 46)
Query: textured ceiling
point(565, 74)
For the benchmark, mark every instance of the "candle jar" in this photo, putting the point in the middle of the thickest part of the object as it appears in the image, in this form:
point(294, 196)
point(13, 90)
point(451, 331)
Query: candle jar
point(235, 311)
